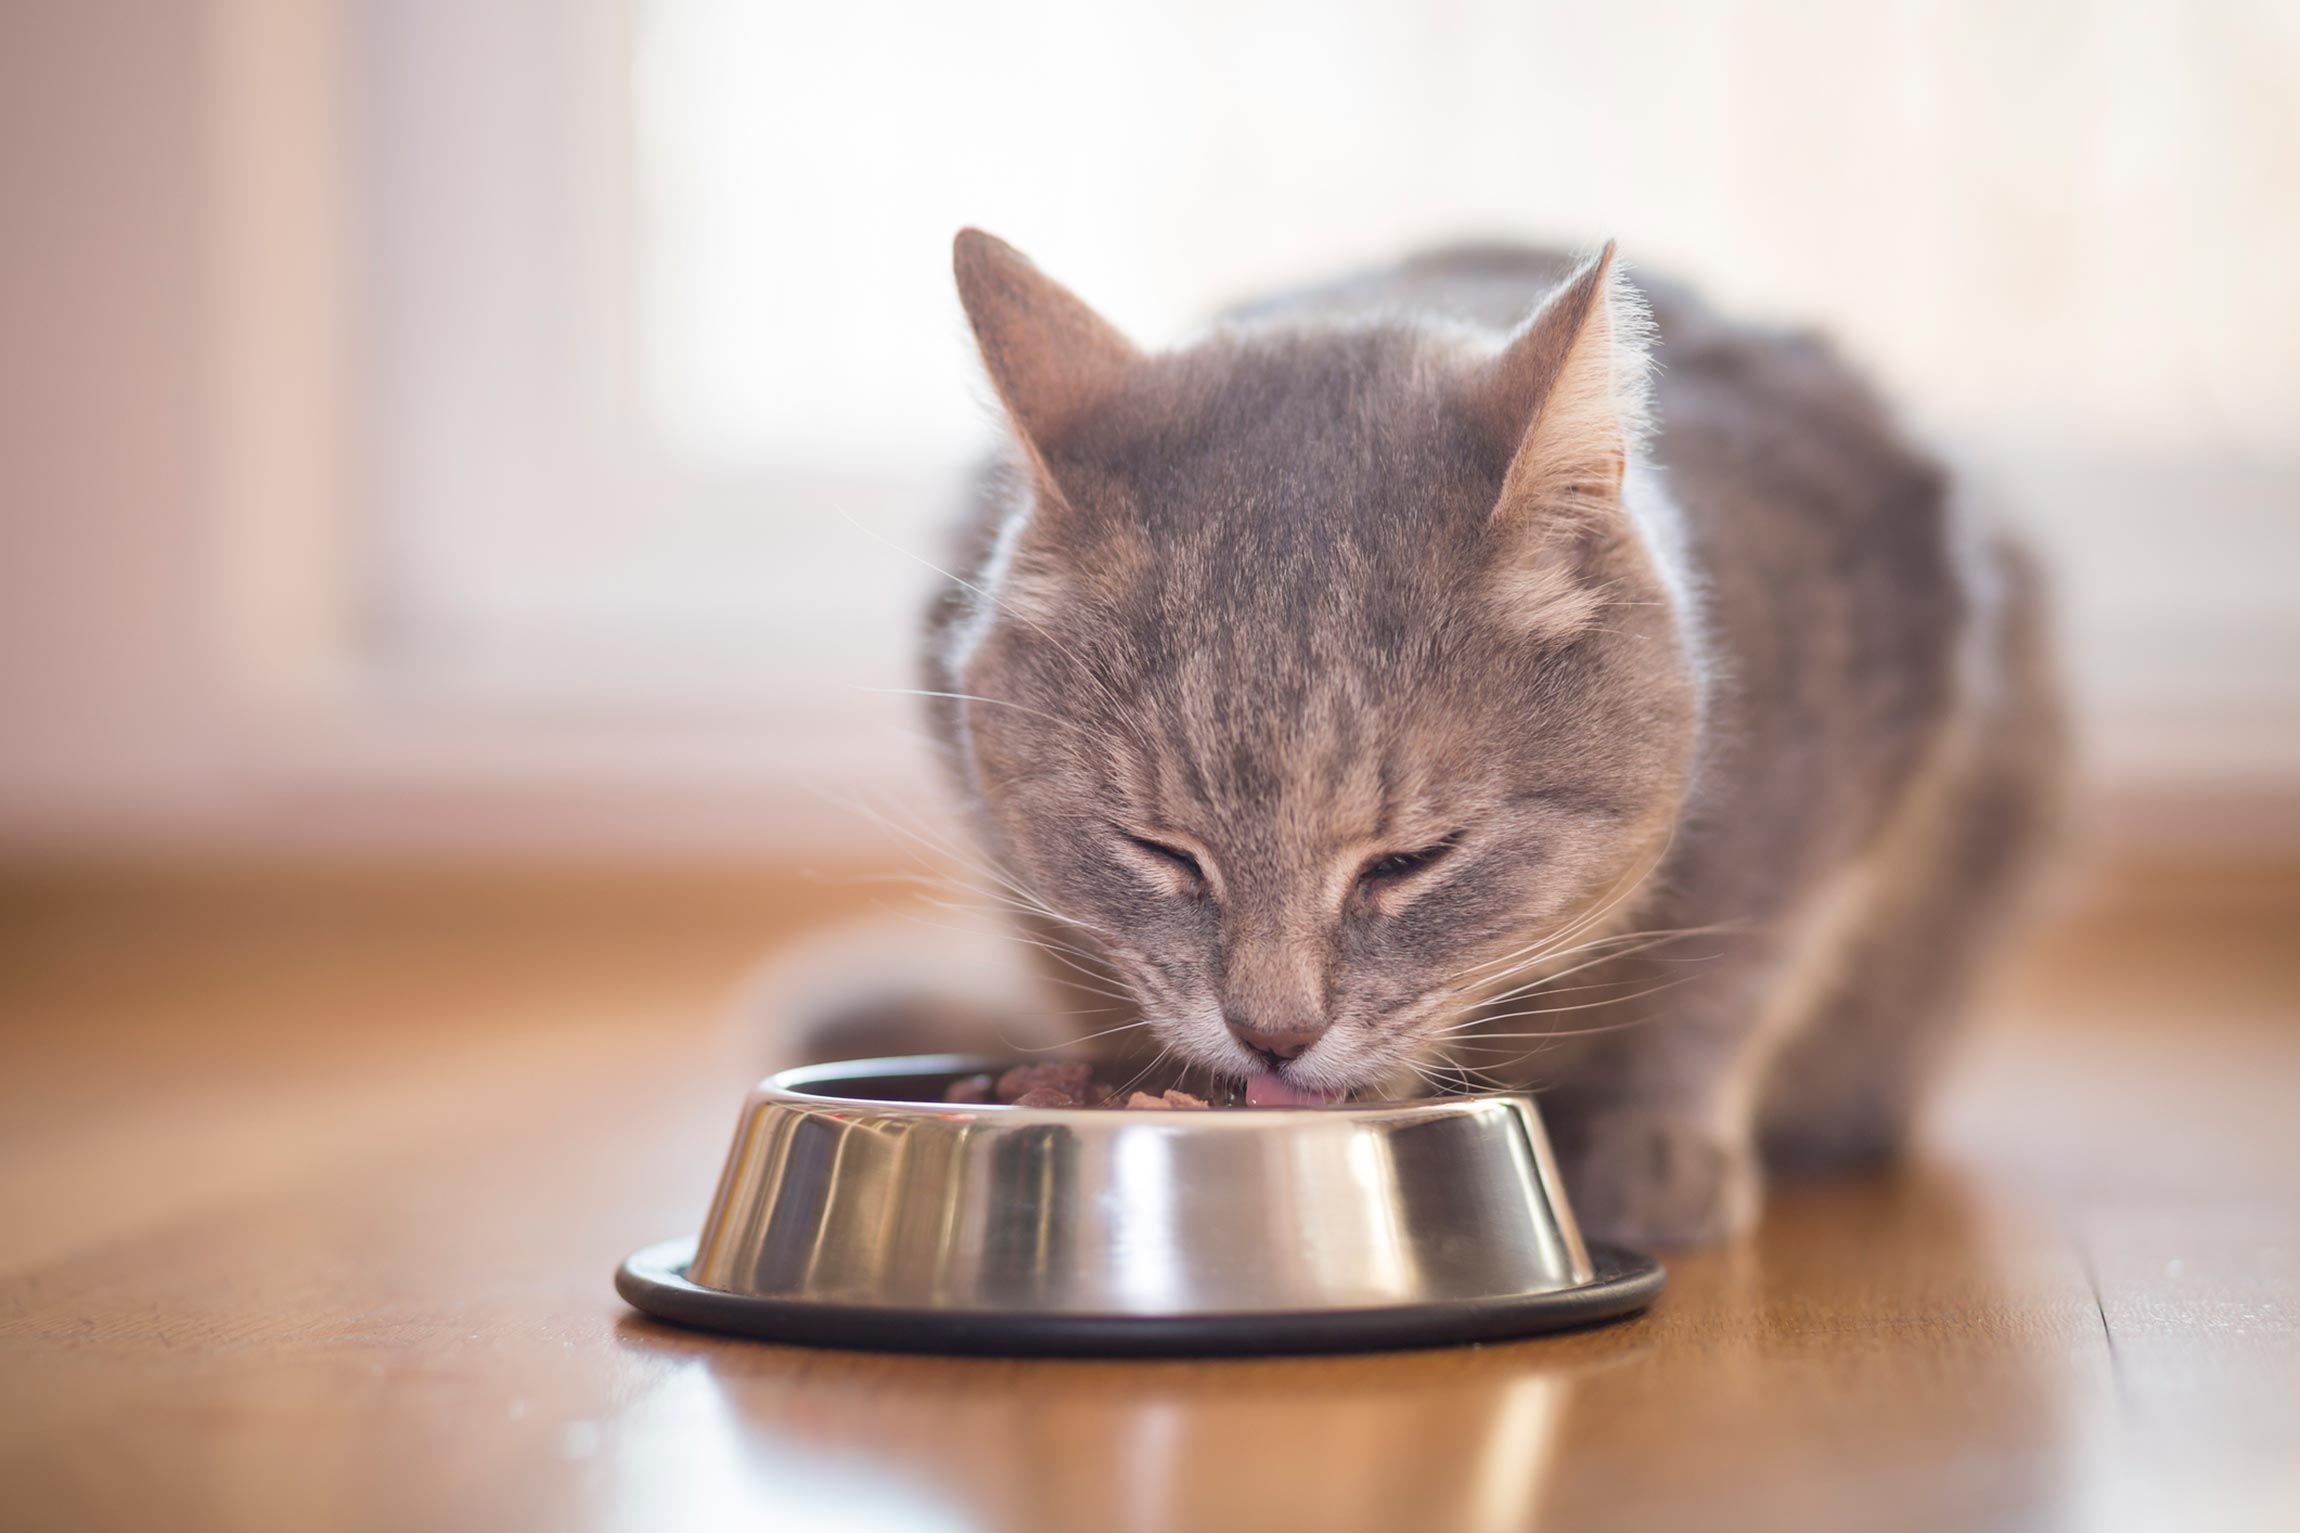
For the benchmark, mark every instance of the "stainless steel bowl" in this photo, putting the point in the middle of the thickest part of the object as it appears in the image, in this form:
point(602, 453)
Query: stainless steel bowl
point(858, 1209)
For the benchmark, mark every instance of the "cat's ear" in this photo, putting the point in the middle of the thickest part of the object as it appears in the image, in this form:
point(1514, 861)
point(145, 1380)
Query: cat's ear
point(1565, 399)
point(1053, 360)
point(1563, 403)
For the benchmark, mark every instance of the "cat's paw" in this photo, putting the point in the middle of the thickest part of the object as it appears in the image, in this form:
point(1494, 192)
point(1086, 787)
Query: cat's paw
point(1645, 1178)
point(1851, 1137)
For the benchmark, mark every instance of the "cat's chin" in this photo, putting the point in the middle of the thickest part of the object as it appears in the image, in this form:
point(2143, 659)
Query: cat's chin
point(1271, 1091)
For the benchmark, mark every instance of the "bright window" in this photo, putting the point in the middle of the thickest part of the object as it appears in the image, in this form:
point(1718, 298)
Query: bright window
point(662, 341)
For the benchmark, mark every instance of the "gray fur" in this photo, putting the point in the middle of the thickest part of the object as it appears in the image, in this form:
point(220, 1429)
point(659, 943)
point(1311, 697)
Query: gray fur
point(1250, 602)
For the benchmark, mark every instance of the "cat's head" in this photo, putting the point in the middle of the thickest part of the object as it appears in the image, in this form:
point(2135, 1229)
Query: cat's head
point(1321, 665)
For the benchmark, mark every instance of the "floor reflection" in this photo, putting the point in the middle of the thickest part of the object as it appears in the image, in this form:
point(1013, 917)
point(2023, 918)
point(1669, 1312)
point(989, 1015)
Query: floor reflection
point(689, 1457)
point(1772, 1375)
point(1907, 1331)
point(1455, 1439)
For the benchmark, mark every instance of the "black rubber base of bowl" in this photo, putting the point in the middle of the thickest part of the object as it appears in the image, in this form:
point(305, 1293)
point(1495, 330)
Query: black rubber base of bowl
point(654, 1281)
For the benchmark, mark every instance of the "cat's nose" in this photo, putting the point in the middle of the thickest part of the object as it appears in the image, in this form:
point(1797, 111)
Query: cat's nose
point(1282, 1041)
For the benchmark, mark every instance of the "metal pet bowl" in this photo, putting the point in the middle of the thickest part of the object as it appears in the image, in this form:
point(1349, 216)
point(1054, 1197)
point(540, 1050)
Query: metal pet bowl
point(857, 1209)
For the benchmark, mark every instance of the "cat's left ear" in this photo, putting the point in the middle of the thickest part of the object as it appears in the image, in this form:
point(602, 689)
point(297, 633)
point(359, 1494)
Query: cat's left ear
point(1565, 399)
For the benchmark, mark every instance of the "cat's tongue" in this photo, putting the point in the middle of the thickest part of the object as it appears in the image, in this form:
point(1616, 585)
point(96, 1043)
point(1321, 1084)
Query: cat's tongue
point(1269, 1091)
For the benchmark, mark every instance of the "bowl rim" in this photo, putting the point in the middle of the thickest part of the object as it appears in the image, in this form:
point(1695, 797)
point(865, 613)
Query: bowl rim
point(790, 1086)
point(654, 1281)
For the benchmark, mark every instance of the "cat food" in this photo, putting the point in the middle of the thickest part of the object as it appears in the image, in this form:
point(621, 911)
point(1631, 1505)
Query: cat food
point(1165, 1099)
point(1064, 1083)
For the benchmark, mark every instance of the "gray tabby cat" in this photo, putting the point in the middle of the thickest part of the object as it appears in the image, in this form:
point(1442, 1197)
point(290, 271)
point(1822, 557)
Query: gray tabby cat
point(1393, 676)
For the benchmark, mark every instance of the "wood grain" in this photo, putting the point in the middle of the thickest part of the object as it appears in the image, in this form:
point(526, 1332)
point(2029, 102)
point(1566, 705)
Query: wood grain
point(310, 1189)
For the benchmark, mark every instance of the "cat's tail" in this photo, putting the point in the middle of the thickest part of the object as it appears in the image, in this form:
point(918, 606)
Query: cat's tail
point(884, 988)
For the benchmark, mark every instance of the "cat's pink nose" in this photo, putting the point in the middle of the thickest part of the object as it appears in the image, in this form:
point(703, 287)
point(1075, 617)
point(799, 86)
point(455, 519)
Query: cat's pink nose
point(1281, 1042)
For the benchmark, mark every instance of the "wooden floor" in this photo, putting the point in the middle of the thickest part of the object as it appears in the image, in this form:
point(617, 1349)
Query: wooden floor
point(311, 1187)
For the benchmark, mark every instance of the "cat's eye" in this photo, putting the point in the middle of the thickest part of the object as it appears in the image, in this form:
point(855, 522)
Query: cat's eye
point(1173, 856)
point(1397, 866)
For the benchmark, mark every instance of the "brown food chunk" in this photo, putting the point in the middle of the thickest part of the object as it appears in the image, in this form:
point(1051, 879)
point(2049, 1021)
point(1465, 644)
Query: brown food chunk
point(1164, 1100)
point(971, 1088)
point(1057, 1083)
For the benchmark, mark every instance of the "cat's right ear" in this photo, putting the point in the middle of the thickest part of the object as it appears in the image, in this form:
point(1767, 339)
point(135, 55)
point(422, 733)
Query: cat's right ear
point(1562, 403)
point(1565, 398)
point(1053, 360)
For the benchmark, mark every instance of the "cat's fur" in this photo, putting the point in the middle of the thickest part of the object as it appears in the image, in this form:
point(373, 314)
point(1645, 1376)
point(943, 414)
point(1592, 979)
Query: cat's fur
point(1399, 564)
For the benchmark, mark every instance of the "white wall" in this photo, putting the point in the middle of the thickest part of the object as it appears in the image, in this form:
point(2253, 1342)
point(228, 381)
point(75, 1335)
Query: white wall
point(108, 670)
point(231, 608)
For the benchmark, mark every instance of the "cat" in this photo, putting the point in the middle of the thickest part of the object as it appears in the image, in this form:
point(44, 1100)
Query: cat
point(1407, 685)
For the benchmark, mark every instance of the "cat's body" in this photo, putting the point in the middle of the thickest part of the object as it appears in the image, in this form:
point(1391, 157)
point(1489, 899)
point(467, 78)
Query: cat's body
point(1357, 667)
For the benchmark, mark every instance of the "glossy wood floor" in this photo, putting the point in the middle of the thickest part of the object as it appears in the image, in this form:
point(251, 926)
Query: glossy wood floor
point(310, 1191)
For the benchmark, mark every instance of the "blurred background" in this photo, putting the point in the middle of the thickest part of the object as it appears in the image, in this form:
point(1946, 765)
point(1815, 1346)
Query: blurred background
point(465, 467)
point(512, 428)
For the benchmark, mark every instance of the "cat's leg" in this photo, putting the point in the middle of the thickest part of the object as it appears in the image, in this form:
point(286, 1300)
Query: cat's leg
point(1654, 1119)
point(1811, 1039)
point(1842, 1094)
point(1653, 1099)
point(1946, 881)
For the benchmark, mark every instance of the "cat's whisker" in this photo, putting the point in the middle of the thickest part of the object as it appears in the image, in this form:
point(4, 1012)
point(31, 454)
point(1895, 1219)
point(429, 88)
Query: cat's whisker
point(1547, 1042)
point(1005, 906)
point(1536, 986)
point(1120, 1093)
point(1544, 984)
point(986, 868)
point(1544, 992)
point(1550, 1035)
point(918, 834)
point(1624, 889)
point(1088, 982)
point(1548, 989)
point(1645, 942)
point(971, 899)
point(971, 861)
point(1099, 987)
point(1582, 923)
point(998, 926)
point(1478, 1075)
point(1474, 1026)
point(1447, 1076)
point(954, 894)
point(1551, 956)
point(1550, 947)
point(1436, 1084)
point(1108, 1032)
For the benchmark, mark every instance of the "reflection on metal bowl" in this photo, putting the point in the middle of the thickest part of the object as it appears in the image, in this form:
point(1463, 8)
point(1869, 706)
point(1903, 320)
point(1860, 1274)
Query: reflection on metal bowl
point(859, 1209)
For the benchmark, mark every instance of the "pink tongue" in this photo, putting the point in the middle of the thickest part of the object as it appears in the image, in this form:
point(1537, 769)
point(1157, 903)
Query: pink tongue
point(1269, 1091)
